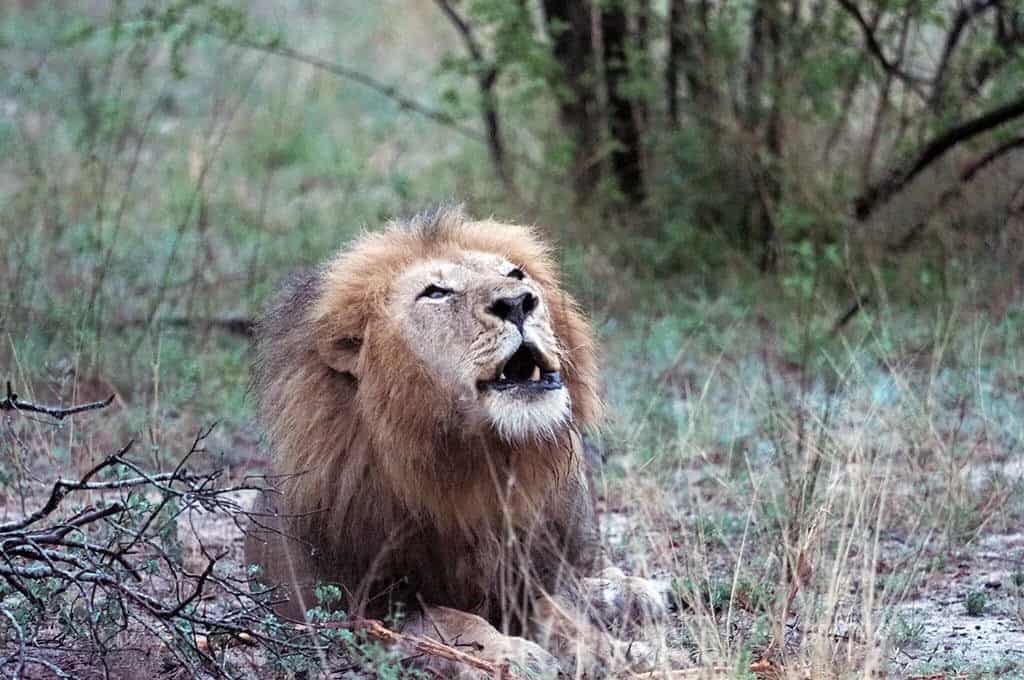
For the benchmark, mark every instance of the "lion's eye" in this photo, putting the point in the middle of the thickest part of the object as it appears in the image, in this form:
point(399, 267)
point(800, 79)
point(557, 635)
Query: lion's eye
point(516, 273)
point(435, 292)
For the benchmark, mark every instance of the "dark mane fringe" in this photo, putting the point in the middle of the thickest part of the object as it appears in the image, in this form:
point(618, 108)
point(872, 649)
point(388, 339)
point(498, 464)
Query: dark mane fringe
point(433, 224)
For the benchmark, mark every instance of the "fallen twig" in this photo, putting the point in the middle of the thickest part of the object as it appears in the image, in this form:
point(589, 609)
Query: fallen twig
point(377, 631)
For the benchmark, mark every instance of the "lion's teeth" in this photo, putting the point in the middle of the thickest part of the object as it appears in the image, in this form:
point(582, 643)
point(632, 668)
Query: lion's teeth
point(502, 376)
point(535, 376)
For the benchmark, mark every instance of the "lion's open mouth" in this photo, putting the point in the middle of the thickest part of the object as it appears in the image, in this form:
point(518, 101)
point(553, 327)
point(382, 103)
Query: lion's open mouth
point(525, 369)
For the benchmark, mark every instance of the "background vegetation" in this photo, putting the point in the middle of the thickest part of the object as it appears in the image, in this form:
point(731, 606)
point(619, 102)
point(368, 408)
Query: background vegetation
point(796, 224)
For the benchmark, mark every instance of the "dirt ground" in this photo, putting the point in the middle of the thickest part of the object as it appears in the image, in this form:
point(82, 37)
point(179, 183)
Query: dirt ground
point(929, 634)
point(946, 635)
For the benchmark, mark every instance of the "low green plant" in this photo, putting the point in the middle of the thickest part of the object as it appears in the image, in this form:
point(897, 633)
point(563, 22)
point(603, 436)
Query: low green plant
point(907, 631)
point(976, 602)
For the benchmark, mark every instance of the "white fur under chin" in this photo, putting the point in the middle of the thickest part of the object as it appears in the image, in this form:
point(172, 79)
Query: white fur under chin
point(520, 419)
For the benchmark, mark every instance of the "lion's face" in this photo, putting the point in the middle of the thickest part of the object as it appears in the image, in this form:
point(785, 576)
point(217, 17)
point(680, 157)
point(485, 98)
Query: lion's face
point(445, 329)
point(481, 327)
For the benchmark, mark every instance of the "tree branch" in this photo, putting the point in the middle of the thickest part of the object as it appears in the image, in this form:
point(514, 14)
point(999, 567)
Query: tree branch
point(91, 566)
point(900, 175)
point(961, 19)
point(464, 29)
point(389, 91)
point(487, 78)
point(967, 175)
point(429, 647)
point(875, 48)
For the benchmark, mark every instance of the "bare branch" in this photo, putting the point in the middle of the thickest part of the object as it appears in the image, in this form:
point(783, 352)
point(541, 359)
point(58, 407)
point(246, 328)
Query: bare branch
point(60, 489)
point(388, 91)
point(427, 646)
point(1009, 35)
point(855, 307)
point(989, 157)
point(464, 29)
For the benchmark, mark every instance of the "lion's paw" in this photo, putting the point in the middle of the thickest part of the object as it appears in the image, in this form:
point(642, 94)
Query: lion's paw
point(474, 635)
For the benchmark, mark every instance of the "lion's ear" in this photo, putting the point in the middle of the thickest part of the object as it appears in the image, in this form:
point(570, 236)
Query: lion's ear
point(341, 353)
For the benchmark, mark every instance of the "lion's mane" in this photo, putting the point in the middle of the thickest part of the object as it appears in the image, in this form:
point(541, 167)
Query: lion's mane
point(383, 490)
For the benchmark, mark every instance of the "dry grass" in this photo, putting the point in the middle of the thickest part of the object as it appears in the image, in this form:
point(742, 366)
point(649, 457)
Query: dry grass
point(832, 525)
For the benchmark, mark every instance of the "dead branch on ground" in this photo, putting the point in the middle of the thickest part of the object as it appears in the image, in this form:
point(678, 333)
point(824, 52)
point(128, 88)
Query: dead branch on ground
point(233, 325)
point(13, 403)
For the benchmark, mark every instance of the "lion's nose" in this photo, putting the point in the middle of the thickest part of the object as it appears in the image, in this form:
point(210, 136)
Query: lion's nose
point(514, 309)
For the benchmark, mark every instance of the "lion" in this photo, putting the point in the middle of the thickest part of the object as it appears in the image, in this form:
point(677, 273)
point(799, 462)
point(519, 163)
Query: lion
point(424, 395)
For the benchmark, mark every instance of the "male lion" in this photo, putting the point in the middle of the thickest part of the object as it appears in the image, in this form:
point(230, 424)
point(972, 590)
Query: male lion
point(423, 394)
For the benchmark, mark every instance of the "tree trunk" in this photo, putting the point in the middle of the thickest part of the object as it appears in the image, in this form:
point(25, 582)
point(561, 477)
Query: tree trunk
point(753, 81)
point(688, 53)
point(677, 39)
point(569, 28)
point(763, 83)
point(643, 64)
point(773, 138)
point(627, 156)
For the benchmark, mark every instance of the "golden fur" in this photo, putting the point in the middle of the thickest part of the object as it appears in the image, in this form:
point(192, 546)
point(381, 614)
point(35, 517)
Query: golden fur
point(391, 488)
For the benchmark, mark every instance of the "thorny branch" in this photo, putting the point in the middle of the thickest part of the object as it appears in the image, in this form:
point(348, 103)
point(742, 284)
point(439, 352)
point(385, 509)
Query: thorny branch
point(70, 571)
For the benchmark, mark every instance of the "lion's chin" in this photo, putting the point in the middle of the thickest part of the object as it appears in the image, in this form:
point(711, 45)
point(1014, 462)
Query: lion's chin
point(521, 415)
